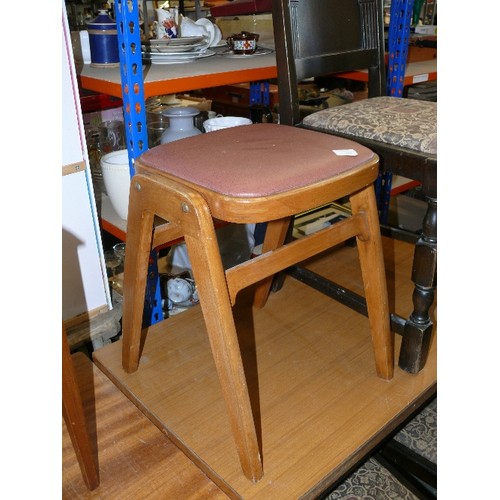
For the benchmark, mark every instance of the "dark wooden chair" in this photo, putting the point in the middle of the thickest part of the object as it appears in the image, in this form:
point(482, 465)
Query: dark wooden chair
point(261, 173)
point(321, 38)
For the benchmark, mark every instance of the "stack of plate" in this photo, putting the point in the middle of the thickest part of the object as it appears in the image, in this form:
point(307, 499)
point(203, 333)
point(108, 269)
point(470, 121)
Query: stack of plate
point(175, 50)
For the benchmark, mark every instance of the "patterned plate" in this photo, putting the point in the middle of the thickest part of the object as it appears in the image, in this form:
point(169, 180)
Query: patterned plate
point(154, 58)
point(183, 40)
point(261, 51)
point(171, 49)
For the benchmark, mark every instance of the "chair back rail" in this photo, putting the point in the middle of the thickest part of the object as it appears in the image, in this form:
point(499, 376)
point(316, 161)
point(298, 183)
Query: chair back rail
point(323, 37)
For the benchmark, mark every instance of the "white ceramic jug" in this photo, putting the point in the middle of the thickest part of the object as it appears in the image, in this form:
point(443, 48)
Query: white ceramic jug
point(167, 23)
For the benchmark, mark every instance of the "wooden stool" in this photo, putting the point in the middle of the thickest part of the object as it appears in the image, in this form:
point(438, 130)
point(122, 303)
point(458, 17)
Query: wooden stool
point(250, 174)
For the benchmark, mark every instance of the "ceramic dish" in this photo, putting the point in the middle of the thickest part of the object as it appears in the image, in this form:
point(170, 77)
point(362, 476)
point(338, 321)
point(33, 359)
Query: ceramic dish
point(166, 61)
point(183, 40)
point(218, 36)
point(182, 55)
point(213, 30)
point(175, 49)
point(261, 51)
point(208, 25)
point(153, 58)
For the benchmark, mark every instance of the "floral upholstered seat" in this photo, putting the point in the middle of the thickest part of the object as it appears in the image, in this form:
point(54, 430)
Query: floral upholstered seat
point(407, 123)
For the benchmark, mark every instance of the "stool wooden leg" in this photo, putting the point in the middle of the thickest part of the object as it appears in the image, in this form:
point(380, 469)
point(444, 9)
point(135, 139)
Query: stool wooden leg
point(373, 271)
point(276, 232)
point(215, 302)
point(139, 236)
point(188, 212)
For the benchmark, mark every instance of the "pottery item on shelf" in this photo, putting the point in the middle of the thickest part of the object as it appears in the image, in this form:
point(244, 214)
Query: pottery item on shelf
point(167, 23)
point(180, 290)
point(181, 123)
point(243, 43)
point(189, 28)
point(215, 34)
point(116, 175)
point(213, 124)
point(103, 39)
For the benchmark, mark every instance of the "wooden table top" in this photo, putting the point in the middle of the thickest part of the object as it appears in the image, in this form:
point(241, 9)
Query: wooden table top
point(311, 375)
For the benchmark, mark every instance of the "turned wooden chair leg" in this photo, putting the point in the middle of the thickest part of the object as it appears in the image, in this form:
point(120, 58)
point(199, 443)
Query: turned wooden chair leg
point(276, 232)
point(139, 237)
point(374, 279)
point(74, 416)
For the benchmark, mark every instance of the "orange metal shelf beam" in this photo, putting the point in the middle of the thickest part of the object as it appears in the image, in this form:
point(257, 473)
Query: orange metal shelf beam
point(183, 84)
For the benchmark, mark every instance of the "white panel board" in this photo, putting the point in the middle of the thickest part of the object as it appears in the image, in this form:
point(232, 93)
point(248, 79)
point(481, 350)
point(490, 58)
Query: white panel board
point(83, 286)
point(84, 283)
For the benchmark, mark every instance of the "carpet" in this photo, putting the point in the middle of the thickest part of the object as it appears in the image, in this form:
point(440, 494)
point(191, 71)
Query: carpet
point(373, 481)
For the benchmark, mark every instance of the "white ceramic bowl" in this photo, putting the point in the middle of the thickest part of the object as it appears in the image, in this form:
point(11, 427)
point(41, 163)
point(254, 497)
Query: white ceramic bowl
point(213, 124)
point(213, 30)
point(191, 28)
point(116, 177)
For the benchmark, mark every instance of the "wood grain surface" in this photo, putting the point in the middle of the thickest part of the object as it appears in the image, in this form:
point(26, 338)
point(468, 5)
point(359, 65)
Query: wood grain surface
point(318, 404)
point(136, 460)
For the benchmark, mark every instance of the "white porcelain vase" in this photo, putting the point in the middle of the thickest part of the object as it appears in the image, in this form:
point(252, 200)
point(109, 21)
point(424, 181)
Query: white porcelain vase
point(181, 123)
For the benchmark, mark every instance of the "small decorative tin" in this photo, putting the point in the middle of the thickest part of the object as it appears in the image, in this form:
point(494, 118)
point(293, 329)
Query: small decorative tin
point(103, 39)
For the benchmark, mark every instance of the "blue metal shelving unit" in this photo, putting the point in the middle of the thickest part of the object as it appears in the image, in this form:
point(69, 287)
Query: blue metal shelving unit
point(134, 112)
point(134, 115)
point(399, 36)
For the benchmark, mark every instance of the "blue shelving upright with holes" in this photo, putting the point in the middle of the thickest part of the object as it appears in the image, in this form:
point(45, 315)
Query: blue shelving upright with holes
point(134, 115)
point(399, 37)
